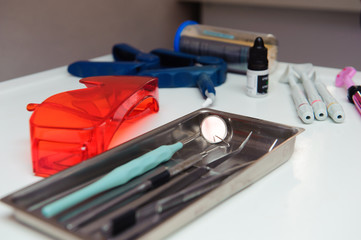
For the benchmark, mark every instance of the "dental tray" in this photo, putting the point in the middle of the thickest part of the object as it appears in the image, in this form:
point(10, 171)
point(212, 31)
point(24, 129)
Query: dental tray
point(266, 146)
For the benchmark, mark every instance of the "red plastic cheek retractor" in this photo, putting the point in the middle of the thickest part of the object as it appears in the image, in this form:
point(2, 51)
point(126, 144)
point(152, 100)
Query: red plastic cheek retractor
point(70, 127)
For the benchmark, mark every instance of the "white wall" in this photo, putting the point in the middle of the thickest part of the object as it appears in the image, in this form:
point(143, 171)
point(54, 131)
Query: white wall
point(38, 35)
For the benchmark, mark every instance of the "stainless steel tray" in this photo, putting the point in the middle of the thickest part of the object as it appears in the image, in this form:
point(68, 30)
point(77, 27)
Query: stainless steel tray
point(269, 146)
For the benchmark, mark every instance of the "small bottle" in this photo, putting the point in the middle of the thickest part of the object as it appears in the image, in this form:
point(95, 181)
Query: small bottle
point(257, 73)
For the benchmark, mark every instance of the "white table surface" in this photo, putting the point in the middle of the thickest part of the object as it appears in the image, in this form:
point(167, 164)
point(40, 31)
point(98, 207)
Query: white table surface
point(315, 195)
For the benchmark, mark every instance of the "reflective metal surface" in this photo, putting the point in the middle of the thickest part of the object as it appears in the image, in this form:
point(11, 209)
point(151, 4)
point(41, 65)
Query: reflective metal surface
point(269, 145)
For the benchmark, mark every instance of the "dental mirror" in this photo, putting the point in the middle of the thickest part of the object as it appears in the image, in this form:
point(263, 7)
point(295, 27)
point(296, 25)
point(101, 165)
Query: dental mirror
point(214, 129)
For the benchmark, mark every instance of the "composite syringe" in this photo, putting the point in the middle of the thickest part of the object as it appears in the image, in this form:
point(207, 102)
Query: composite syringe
point(304, 110)
point(318, 106)
point(335, 110)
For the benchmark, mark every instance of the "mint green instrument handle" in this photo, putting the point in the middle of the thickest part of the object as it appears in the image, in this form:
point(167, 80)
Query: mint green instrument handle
point(114, 178)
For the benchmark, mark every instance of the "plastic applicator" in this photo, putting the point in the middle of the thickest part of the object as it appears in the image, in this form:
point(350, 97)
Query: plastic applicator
point(334, 109)
point(304, 109)
point(318, 106)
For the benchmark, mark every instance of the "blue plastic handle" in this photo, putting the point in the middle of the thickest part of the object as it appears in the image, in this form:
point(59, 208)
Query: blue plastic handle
point(205, 84)
point(173, 69)
point(125, 52)
point(89, 69)
point(116, 177)
point(187, 77)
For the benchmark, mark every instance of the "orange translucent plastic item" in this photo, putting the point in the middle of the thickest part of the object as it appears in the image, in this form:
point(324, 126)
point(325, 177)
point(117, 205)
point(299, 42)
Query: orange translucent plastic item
point(70, 127)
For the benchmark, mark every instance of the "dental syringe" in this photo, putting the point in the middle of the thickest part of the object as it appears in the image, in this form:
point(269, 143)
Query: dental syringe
point(304, 109)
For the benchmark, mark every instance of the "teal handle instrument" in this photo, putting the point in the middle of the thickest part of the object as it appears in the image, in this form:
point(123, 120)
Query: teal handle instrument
point(116, 177)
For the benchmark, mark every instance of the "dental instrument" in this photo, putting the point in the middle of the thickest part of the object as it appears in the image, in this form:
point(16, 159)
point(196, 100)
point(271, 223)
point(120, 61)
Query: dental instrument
point(304, 110)
point(180, 183)
point(213, 129)
point(318, 106)
point(334, 109)
point(129, 217)
point(155, 181)
point(151, 211)
point(126, 172)
point(116, 177)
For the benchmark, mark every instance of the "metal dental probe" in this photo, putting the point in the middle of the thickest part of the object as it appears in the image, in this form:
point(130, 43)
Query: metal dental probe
point(188, 193)
point(213, 129)
point(153, 182)
point(150, 213)
point(173, 186)
point(118, 224)
point(117, 177)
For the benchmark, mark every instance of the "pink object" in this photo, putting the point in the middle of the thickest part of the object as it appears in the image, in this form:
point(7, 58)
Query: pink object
point(344, 78)
point(357, 101)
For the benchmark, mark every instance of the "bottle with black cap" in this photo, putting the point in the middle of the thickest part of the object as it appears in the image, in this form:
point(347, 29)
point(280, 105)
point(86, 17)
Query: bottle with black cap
point(257, 73)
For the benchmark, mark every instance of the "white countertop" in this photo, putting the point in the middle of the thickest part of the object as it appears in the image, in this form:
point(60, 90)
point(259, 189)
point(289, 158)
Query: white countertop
point(315, 195)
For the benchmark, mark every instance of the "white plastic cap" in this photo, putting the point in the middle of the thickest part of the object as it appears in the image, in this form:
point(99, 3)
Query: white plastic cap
point(320, 111)
point(305, 112)
point(336, 112)
point(210, 99)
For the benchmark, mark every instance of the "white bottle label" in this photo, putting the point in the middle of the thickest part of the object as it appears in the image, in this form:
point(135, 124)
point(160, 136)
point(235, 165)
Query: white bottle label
point(257, 83)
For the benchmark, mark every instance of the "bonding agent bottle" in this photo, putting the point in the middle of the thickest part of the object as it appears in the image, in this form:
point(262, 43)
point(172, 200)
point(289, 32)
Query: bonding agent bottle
point(257, 73)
